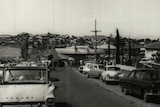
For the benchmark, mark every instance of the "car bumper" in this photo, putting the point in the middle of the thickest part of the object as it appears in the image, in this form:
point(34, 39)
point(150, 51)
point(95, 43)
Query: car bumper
point(154, 94)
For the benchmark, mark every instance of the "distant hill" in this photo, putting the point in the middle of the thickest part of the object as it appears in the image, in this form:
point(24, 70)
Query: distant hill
point(99, 37)
point(5, 35)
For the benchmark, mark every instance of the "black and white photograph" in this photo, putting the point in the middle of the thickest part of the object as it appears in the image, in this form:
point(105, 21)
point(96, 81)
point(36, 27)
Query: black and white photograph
point(79, 53)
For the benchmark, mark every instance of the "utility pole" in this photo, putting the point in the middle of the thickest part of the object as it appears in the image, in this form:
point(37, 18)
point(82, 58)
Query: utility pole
point(109, 50)
point(130, 52)
point(117, 47)
point(95, 31)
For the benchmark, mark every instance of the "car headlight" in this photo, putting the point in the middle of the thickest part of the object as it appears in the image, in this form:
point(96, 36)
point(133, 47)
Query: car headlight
point(109, 76)
point(50, 101)
point(115, 76)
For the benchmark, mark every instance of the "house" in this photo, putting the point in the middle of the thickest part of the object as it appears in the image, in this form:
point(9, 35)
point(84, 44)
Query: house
point(151, 49)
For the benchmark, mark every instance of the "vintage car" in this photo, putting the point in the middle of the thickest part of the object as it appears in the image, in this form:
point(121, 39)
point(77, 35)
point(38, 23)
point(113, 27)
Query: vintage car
point(146, 60)
point(85, 68)
point(143, 82)
point(95, 71)
point(26, 85)
point(112, 73)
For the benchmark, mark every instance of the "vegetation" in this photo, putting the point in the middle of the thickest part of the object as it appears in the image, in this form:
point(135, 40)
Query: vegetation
point(117, 47)
point(41, 42)
point(25, 46)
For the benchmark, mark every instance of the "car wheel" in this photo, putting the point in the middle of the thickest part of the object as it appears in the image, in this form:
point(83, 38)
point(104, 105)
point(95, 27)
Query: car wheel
point(146, 96)
point(125, 91)
point(86, 75)
point(100, 77)
point(39, 105)
point(80, 71)
point(1, 105)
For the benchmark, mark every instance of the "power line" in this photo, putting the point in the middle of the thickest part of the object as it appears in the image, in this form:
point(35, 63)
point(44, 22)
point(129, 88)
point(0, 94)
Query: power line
point(96, 31)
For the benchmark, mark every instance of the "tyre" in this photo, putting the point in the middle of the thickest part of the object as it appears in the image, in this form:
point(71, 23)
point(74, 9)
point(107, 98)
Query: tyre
point(1, 105)
point(101, 78)
point(86, 75)
point(125, 91)
point(145, 96)
point(39, 105)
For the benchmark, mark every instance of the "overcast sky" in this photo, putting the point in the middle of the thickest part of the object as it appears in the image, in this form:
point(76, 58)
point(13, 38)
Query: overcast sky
point(134, 18)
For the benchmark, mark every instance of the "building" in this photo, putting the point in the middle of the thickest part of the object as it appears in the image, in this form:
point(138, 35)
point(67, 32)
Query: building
point(79, 52)
point(151, 49)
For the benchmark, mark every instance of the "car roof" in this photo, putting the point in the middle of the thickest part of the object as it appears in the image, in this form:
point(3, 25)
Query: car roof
point(26, 68)
point(146, 70)
point(112, 66)
point(96, 64)
point(88, 63)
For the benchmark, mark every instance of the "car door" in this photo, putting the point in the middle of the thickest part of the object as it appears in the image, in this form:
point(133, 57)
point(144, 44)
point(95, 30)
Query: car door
point(94, 71)
point(137, 83)
point(129, 81)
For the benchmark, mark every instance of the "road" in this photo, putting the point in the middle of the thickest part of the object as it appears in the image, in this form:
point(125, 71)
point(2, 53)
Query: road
point(134, 100)
point(75, 90)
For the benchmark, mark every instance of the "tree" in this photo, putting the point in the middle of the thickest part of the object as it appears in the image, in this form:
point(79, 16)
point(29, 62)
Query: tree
point(117, 47)
point(25, 46)
point(81, 41)
point(130, 51)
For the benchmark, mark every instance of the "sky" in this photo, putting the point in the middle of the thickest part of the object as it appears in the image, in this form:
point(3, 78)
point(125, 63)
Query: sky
point(133, 18)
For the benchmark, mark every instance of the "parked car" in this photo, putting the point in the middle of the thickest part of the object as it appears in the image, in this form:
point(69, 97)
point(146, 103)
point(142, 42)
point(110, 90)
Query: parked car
point(96, 70)
point(125, 70)
point(27, 85)
point(143, 82)
point(112, 73)
point(145, 61)
point(85, 68)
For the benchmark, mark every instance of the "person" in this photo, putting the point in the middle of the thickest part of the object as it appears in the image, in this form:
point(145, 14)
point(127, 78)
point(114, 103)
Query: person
point(37, 76)
point(52, 65)
point(22, 77)
point(81, 62)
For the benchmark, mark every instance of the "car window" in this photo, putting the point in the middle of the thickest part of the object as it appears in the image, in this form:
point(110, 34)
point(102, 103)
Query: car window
point(138, 75)
point(101, 67)
point(145, 75)
point(113, 68)
point(24, 76)
point(144, 59)
point(150, 75)
point(89, 65)
point(95, 67)
point(132, 74)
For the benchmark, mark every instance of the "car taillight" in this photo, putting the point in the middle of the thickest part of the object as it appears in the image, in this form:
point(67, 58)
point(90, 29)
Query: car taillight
point(50, 101)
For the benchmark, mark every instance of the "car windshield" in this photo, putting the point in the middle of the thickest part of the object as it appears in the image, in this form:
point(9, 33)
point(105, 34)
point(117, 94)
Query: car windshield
point(150, 75)
point(101, 67)
point(113, 68)
point(24, 76)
